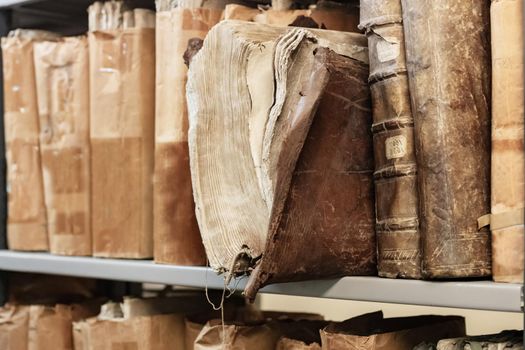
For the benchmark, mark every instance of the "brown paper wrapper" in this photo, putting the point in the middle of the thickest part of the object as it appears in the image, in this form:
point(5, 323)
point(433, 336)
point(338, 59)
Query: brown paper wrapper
point(122, 80)
point(176, 233)
point(508, 160)
point(14, 327)
point(373, 332)
point(138, 324)
point(26, 222)
point(340, 19)
point(50, 327)
point(61, 69)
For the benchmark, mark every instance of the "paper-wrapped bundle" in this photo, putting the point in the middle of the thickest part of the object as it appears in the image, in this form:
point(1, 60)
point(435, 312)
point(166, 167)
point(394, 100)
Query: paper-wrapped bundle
point(62, 81)
point(122, 111)
point(373, 332)
point(26, 223)
point(176, 233)
point(269, 333)
point(51, 327)
point(448, 62)
point(268, 176)
point(138, 324)
point(508, 160)
point(14, 327)
point(506, 340)
point(326, 15)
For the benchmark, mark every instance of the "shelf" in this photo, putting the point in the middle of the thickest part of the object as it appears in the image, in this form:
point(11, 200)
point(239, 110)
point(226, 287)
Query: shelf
point(482, 295)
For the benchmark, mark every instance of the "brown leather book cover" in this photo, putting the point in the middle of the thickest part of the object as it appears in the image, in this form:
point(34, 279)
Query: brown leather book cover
point(508, 161)
point(328, 198)
point(397, 223)
point(448, 62)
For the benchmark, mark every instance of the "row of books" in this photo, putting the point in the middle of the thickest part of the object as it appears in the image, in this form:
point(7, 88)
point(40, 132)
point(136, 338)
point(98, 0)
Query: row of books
point(284, 153)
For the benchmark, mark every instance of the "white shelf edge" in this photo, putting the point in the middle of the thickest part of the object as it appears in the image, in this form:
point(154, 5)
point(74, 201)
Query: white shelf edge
point(481, 295)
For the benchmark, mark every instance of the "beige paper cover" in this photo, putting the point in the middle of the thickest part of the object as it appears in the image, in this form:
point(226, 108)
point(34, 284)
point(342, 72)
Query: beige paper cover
point(14, 326)
point(26, 223)
point(61, 69)
point(50, 327)
point(176, 233)
point(122, 79)
point(508, 160)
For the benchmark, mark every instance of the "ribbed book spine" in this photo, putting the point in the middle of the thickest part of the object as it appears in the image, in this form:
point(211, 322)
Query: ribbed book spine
point(397, 224)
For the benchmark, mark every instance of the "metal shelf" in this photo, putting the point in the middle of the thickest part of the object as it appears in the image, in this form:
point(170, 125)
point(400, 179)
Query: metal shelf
point(482, 295)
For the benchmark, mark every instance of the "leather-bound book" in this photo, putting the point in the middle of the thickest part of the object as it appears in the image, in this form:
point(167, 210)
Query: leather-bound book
point(397, 223)
point(508, 162)
point(281, 152)
point(448, 62)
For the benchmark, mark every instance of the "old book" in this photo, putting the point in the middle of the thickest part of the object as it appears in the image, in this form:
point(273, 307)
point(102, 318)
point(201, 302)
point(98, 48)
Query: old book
point(255, 173)
point(448, 62)
point(26, 223)
point(506, 340)
point(122, 110)
point(397, 224)
point(373, 332)
point(14, 327)
point(176, 233)
point(332, 16)
point(61, 72)
point(508, 161)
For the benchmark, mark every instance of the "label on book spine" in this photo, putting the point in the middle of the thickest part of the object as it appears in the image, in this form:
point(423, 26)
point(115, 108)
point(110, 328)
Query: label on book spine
point(387, 49)
point(396, 147)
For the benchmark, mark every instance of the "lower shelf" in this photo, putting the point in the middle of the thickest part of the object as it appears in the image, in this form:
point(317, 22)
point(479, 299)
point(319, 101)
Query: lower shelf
point(482, 295)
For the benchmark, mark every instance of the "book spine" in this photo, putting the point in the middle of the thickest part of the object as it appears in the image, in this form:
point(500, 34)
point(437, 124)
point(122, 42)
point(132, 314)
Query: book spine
point(508, 162)
point(448, 64)
point(397, 224)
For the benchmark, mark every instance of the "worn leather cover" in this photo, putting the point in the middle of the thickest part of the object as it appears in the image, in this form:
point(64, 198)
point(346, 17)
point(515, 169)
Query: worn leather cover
point(176, 233)
point(26, 222)
point(62, 81)
point(508, 161)
point(397, 223)
point(122, 112)
point(373, 332)
point(448, 61)
point(328, 198)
